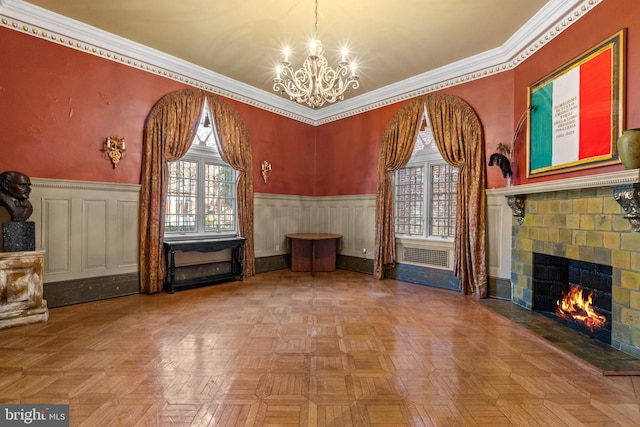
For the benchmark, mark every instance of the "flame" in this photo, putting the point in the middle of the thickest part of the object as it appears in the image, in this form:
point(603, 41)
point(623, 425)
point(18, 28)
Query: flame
point(575, 307)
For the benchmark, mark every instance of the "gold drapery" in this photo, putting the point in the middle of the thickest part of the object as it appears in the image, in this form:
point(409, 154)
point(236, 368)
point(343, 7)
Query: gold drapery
point(169, 131)
point(459, 138)
point(395, 151)
point(235, 147)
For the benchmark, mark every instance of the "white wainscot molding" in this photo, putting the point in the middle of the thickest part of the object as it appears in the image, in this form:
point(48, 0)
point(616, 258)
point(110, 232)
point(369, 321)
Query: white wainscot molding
point(88, 229)
point(352, 216)
point(499, 222)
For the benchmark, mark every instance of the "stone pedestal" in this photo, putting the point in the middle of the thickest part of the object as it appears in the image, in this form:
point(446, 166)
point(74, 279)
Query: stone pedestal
point(21, 286)
point(19, 236)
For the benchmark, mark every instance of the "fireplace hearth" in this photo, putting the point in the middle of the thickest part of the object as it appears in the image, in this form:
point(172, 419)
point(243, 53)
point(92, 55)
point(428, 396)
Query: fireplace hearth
point(556, 277)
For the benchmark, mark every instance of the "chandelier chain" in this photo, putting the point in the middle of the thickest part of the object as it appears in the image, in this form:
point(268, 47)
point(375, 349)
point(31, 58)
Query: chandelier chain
point(315, 28)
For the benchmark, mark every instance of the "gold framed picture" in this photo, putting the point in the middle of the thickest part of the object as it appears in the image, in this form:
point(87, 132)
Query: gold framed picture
point(576, 112)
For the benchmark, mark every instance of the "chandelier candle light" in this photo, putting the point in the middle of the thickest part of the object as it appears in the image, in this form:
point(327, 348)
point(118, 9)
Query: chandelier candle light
point(316, 83)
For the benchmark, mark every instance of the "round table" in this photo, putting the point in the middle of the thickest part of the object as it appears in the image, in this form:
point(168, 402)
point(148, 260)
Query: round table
point(313, 251)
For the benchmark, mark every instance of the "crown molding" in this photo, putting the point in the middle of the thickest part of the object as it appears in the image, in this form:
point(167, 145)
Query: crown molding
point(36, 21)
point(551, 20)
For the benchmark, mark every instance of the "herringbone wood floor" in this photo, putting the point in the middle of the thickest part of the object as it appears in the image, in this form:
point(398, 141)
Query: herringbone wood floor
point(288, 349)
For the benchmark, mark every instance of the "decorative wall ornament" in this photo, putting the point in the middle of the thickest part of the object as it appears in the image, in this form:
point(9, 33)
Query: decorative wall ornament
point(628, 196)
point(266, 171)
point(503, 156)
point(115, 148)
point(516, 203)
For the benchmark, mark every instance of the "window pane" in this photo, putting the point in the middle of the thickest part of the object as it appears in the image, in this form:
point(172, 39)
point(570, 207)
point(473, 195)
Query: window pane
point(409, 195)
point(201, 195)
point(205, 135)
point(182, 195)
point(444, 180)
point(219, 198)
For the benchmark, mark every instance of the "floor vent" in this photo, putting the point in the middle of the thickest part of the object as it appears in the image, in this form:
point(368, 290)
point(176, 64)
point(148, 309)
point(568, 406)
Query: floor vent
point(432, 257)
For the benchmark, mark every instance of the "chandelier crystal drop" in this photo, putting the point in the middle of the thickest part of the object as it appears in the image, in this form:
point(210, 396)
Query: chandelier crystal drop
point(316, 83)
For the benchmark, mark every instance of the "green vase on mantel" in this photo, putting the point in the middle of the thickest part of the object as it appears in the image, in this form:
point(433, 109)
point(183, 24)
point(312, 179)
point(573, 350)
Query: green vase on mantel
point(629, 148)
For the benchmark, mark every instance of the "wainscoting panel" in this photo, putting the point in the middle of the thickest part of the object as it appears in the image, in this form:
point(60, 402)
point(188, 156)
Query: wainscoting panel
point(88, 229)
point(277, 215)
point(94, 233)
point(126, 235)
point(499, 223)
point(53, 231)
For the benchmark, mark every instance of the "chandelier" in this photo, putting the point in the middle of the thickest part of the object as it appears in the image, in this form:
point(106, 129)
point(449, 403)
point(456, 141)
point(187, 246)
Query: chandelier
point(316, 83)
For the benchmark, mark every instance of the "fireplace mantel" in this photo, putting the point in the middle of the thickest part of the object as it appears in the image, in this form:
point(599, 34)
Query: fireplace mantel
point(625, 184)
point(611, 179)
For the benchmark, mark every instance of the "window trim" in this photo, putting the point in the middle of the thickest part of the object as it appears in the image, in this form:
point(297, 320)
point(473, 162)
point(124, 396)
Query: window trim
point(203, 154)
point(426, 161)
point(425, 158)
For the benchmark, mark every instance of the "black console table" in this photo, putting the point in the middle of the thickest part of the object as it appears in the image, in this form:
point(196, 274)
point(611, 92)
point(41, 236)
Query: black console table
point(236, 244)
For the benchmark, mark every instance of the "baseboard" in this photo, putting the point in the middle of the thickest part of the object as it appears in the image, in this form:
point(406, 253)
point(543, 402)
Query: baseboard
point(436, 278)
point(357, 264)
point(59, 294)
point(499, 288)
point(273, 263)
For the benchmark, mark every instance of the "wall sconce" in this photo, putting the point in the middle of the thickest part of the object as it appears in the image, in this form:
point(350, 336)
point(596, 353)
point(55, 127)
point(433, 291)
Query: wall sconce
point(115, 148)
point(266, 170)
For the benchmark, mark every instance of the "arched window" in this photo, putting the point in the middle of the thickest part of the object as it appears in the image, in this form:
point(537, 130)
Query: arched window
point(201, 194)
point(425, 190)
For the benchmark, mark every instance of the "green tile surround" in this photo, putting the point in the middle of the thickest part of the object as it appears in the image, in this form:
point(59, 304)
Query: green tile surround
point(587, 225)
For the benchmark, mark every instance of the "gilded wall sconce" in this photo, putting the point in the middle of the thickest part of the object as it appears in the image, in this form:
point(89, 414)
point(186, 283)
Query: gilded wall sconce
point(115, 148)
point(266, 170)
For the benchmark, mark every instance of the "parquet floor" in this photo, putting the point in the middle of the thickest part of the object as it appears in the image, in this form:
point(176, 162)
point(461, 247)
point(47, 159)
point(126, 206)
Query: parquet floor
point(288, 349)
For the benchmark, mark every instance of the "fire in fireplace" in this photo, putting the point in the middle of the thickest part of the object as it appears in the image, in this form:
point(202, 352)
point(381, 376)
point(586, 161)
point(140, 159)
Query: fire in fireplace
point(576, 307)
point(575, 293)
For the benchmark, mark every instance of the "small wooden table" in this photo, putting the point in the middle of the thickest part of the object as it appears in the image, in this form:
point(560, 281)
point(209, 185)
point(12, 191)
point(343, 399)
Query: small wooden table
point(313, 251)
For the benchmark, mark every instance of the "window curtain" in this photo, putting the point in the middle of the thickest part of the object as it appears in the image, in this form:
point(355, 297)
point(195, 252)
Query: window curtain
point(236, 150)
point(169, 131)
point(395, 151)
point(459, 138)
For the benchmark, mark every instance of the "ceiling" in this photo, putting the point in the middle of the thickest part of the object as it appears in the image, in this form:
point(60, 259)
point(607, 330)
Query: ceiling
point(391, 41)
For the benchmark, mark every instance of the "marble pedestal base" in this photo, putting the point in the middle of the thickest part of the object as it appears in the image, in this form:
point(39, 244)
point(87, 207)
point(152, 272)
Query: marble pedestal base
point(21, 286)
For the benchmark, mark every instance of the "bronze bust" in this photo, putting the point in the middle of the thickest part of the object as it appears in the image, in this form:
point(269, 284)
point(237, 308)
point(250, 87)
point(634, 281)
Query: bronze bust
point(15, 188)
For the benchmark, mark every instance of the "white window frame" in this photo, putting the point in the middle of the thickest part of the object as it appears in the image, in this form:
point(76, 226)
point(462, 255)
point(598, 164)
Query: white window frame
point(206, 155)
point(426, 158)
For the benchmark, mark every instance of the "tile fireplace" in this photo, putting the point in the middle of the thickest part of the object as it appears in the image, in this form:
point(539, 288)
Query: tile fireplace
point(585, 220)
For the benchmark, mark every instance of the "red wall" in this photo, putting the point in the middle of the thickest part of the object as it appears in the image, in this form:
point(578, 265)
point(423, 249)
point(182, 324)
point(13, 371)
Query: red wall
point(492, 100)
point(351, 145)
point(287, 144)
point(347, 153)
point(59, 105)
point(347, 150)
